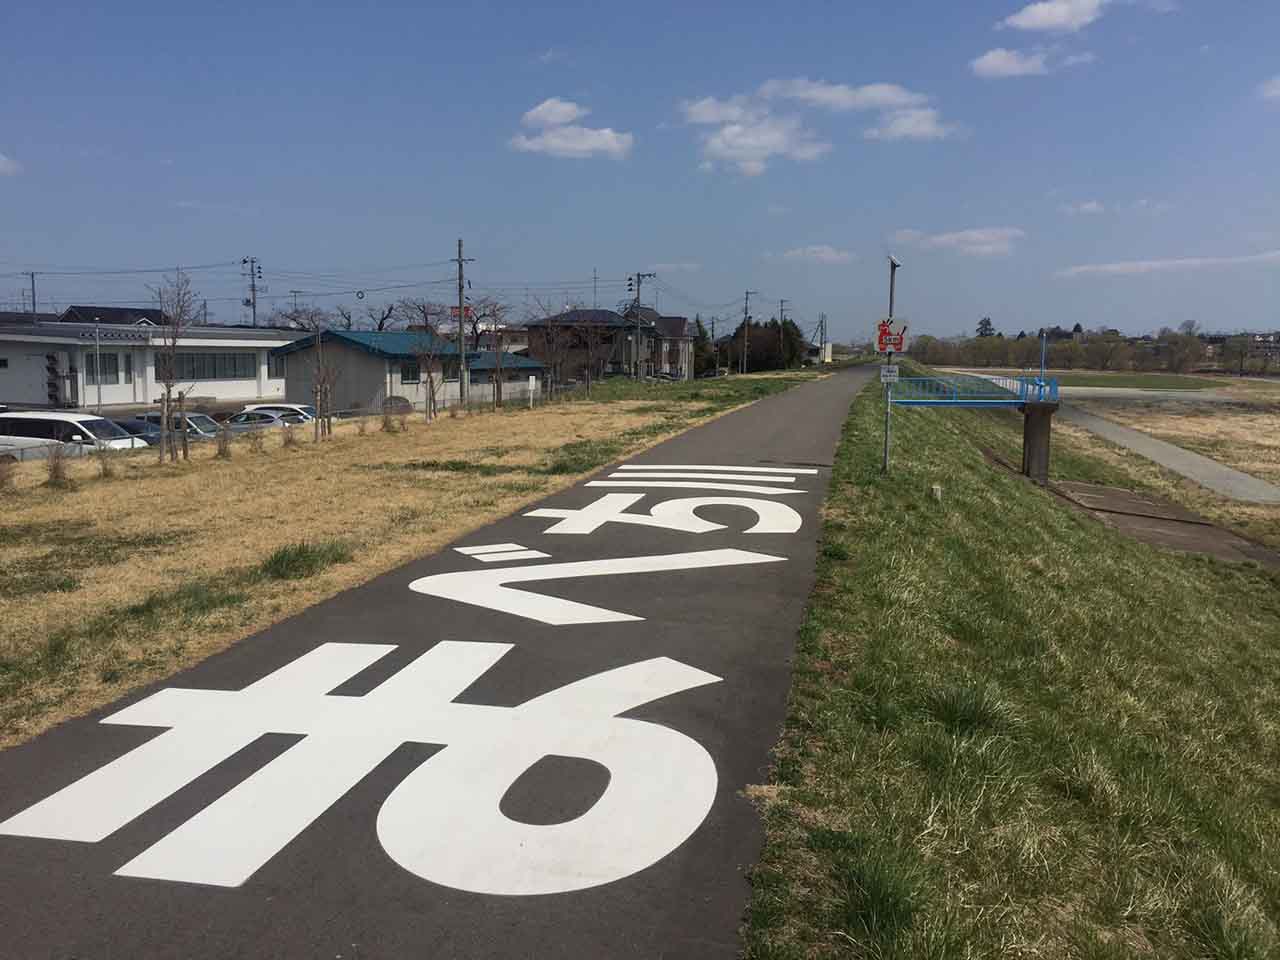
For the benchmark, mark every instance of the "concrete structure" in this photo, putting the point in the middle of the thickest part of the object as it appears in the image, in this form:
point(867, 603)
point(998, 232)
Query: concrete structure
point(1037, 424)
point(55, 363)
point(365, 368)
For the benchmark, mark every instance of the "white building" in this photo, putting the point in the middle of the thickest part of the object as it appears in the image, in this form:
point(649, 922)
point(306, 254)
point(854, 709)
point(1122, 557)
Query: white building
point(107, 356)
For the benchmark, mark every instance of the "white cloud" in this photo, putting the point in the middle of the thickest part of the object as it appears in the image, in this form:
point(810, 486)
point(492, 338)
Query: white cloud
point(550, 55)
point(1055, 16)
point(1002, 62)
point(750, 145)
point(575, 141)
point(676, 267)
point(841, 96)
point(1130, 268)
point(819, 253)
point(554, 112)
point(1147, 205)
point(9, 167)
point(922, 123)
point(1271, 89)
point(1079, 59)
point(709, 110)
point(977, 242)
point(778, 209)
point(1084, 206)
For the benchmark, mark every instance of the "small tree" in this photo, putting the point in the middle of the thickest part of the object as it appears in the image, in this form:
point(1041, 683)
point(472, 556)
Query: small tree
point(178, 309)
point(1234, 353)
point(421, 317)
point(986, 328)
point(381, 318)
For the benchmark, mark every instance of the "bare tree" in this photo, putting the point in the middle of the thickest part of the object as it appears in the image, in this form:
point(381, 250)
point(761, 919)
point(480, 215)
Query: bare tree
point(345, 320)
point(178, 306)
point(555, 339)
point(421, 317)
point(381, 318)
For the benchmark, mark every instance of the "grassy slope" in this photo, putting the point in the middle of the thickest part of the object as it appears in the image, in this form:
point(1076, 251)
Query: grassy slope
point(1013, 732)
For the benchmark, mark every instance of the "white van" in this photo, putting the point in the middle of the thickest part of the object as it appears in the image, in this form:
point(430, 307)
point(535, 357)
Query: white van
point(31, 429)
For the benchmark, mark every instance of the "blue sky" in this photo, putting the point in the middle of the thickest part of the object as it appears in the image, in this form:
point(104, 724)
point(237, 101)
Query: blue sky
point(1097, 161)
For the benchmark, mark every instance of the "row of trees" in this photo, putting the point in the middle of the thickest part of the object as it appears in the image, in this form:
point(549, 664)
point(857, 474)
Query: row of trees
point(1178, 351)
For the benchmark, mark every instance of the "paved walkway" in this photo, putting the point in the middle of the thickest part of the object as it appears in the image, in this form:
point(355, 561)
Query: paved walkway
point(1208, 473)
point(532, 744)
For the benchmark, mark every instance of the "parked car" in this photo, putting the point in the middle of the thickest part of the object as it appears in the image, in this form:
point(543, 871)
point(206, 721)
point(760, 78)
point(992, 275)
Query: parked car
point(143, 429)
point(303, 410)
point(200, 426)
point(248, 420)
point(30, 429)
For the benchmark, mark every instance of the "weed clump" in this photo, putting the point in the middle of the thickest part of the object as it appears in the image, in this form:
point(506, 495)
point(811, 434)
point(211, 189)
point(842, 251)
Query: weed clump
point(298, 560)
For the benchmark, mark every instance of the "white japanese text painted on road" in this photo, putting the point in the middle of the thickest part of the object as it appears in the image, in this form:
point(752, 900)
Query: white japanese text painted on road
point(679, 515)
point(443, 822)
point(488, 588)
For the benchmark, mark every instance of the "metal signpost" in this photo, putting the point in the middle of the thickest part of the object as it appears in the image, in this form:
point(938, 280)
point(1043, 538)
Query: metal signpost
point(887, 342)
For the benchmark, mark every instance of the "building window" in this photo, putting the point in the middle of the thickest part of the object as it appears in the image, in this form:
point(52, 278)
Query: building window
point(409, 372)
point(110, 368)
point(128, 368)
point(208, 366)
point(276, 366)
point(4, 363)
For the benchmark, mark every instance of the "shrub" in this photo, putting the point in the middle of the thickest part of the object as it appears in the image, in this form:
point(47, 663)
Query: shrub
point(224, 442)
point(106, 462)
point(402, 423)
point(56, 468)
point(388, 423)
point(288, 438)
point(362, 425)
point(8, 472)
point(254, 438)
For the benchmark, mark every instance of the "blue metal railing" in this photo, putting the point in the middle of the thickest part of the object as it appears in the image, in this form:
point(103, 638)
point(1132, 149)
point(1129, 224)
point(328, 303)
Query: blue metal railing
point(966, 391)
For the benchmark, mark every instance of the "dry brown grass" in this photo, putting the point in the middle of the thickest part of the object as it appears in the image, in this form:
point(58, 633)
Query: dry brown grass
point(215, 517)
point(1258, 521)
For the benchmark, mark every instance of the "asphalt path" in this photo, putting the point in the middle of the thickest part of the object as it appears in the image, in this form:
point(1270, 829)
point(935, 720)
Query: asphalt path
point(530, 744)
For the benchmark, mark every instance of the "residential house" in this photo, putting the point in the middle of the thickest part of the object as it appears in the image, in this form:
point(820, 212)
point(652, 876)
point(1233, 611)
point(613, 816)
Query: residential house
point(588, 344)
point(366, 368)
point(107, 357)
point(673, 342)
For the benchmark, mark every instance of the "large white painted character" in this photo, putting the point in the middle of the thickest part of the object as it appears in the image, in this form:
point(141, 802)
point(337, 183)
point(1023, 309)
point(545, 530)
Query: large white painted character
point(679, 514)
point(444, 821)
point(489, 588)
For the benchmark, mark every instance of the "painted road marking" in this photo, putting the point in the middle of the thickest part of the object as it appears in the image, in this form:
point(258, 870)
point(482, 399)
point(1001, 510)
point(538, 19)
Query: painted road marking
point(663, 475)
point(488, 588)
point(443, 822)
point(488, 548)
point(512, 555)
point(703, 466)
point(641, 481)
point(679, 515)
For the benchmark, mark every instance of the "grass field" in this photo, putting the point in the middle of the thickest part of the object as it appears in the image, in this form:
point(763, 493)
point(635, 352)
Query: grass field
point(1013, 732)
point(114, 582)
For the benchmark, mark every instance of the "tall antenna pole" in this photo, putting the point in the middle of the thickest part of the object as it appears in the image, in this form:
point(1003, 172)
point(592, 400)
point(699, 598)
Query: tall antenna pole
point(255, 273)
point(463, 373)
point(32, 275)
point(746, 330)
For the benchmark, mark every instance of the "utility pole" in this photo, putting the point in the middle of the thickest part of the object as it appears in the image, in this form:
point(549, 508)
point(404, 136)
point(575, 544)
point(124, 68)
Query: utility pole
point(715, 348)
point(822, 338)
point(634, 283)
point(32, 275)
point(746, 329)
point(463, 373)
point(595, 293)
point(295, 300)
point(255, 274)
point(782, 340)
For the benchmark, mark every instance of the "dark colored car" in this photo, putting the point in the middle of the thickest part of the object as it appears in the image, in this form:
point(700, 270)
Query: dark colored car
point(143, 429)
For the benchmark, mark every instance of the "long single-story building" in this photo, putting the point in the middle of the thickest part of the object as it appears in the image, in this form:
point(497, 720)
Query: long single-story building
point(365, 368)
point(107, 356)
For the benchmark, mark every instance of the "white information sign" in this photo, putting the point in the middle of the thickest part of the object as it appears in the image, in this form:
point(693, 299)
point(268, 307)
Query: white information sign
point(889, 373)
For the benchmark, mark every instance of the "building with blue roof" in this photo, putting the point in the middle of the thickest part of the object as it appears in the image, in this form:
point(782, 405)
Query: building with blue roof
point(365, 369)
